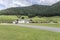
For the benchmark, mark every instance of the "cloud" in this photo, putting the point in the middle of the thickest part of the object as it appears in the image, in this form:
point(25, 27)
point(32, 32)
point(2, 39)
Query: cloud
point(48, 2)
point(22, 3)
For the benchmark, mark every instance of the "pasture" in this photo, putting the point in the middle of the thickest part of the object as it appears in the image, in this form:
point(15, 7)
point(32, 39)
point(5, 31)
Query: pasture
point(11, 32)
point(45, 24)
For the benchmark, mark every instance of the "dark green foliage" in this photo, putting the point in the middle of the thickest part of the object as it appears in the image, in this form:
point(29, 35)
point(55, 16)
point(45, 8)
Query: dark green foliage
point(30, 11)
point(54, 10)
point(34, 10)
point(22, 18)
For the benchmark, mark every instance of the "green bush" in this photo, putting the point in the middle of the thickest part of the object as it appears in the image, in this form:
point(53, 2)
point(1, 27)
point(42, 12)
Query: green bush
point(55, 19)
point(7, 18)
point(38, 20)
point(11, 18)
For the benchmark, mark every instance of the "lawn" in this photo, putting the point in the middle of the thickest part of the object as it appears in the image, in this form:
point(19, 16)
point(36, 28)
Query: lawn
point(10, 32)
point(46, 24)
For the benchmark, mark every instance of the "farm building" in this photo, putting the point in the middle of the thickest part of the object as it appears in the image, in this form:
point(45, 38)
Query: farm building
point(21, 21)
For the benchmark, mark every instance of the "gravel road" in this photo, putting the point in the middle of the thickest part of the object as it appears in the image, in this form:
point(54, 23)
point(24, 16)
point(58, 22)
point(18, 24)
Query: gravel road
point(53, 29)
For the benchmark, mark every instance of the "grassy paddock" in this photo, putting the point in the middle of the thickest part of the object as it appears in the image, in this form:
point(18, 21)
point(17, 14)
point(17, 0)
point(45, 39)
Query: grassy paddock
point(46, 24)
point(10, 32)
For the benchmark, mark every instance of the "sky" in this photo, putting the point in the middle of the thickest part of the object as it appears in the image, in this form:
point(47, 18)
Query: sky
point(22, 3)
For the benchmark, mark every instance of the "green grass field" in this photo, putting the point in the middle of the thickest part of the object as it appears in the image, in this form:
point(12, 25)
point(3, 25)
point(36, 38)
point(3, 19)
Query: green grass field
point(10, 32)
point(46, 24)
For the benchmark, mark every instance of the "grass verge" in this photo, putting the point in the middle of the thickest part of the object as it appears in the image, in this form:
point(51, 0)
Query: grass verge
point(46, 24)
point(10, 32)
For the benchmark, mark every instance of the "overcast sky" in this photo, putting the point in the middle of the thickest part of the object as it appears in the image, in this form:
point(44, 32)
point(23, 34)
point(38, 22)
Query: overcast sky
point(16, 3)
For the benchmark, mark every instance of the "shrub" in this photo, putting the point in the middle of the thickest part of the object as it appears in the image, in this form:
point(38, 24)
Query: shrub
point(7, 19)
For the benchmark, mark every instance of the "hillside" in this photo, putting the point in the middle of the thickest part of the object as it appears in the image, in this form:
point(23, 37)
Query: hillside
point(54, 10)
point(31, 10)
point(34, 10)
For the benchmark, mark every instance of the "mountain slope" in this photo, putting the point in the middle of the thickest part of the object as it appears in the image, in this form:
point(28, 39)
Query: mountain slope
point(54, 10)
point(30, 10)
point(34, 10)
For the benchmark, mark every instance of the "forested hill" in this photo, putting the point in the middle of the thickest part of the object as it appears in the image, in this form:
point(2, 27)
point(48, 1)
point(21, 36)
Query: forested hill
point(54, 10)
point(34, 10)
point(30, 10)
